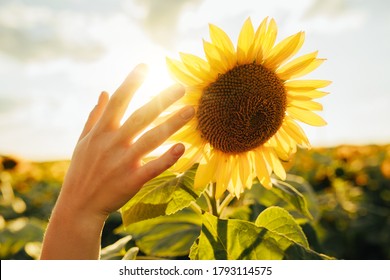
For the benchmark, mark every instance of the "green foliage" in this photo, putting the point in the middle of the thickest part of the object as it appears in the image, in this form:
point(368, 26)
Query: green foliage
point(334, 201)
point(27, 195)
point(282, 194)
point(279, 221)
point(161, 228)
point(352, 190)
point(164, 195)
point(118, 250)
point(17, 234)
point(269, 238)
point(167, 236)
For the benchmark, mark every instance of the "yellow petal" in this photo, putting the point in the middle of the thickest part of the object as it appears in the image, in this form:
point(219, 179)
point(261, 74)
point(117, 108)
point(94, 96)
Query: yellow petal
point(290, 141)
point(304, 59)
point(221, 39)
point(283, 155)
point(306, 105)
point(187, 133)
point(257, 50)
point(284, 50)
point(272, 142)
point(261, 170)
point(206, 170)
point(190, 157)
point(245, 170)
point(295, 132)
point(245, 41)
point(283, 136)
point(269, 38)
point(305, 70)
point(299, 66)
point(190, 99)
point(197, 67)
point(181, 73)
point(222, 175)
point(216, 58)
point(306, 116)
point(305, 85)
point(234, 186)
point(302, 95)
point(283, 146)
point(276, 166)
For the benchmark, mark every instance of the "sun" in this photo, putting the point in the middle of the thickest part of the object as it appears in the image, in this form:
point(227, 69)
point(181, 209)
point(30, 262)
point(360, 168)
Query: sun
point(248, 101)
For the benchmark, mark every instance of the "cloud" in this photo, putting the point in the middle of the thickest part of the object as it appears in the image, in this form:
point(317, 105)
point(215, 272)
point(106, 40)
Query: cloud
point(335, 16)
point(46, 30)
point(330, 8)
point(87, 6)
point(31, 33)
point(160, 18)
point(9, 105)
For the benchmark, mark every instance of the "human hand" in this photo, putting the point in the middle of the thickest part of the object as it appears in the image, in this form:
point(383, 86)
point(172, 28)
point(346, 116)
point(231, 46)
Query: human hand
point(106, 168)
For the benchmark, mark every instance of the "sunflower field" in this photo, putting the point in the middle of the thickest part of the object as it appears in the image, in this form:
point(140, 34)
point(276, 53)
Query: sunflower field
point(334, 203)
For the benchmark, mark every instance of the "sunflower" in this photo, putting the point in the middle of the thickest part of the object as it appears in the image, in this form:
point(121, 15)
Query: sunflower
point(247, 103)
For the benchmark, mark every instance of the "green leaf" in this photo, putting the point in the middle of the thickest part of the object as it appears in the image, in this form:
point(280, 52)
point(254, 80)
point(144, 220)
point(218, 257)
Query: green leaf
point(115, 250)
point(164, 195)
point(237, 239)
point(194, 250)
point(283, 194)
point(131, 254)
point(292, 196)
point(279, 221)
point(303, 187)
point(167, 236)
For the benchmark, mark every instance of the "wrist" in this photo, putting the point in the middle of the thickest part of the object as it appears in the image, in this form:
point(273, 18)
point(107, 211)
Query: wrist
point(79, 217)
point(72, 233)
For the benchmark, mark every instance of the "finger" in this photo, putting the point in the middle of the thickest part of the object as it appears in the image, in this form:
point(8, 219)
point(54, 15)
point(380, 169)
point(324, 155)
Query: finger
point(141, 118)
point(120, 100)
point(95, 114)
point(156, 136)
point(156, 167)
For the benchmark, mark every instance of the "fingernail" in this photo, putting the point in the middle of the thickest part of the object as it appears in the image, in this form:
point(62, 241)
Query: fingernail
point(178, 150)
point(177, 91)
point(141, 69)
point(100, 100)
point(187, 112)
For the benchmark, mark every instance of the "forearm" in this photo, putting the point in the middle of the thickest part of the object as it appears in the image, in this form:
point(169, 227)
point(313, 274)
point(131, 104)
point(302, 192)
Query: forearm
point(72, 235)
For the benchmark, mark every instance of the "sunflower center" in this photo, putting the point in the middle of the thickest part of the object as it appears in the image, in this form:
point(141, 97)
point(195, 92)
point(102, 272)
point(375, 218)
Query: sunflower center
point(242, 109)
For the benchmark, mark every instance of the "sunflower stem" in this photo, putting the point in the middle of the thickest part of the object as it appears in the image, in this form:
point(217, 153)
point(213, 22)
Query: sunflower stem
point(208, 200)
point(196, 208)
point(211, 201)
point(225, 203)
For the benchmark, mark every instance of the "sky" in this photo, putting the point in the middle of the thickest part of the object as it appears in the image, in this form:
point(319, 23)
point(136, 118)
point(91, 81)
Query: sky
point(56, 56)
